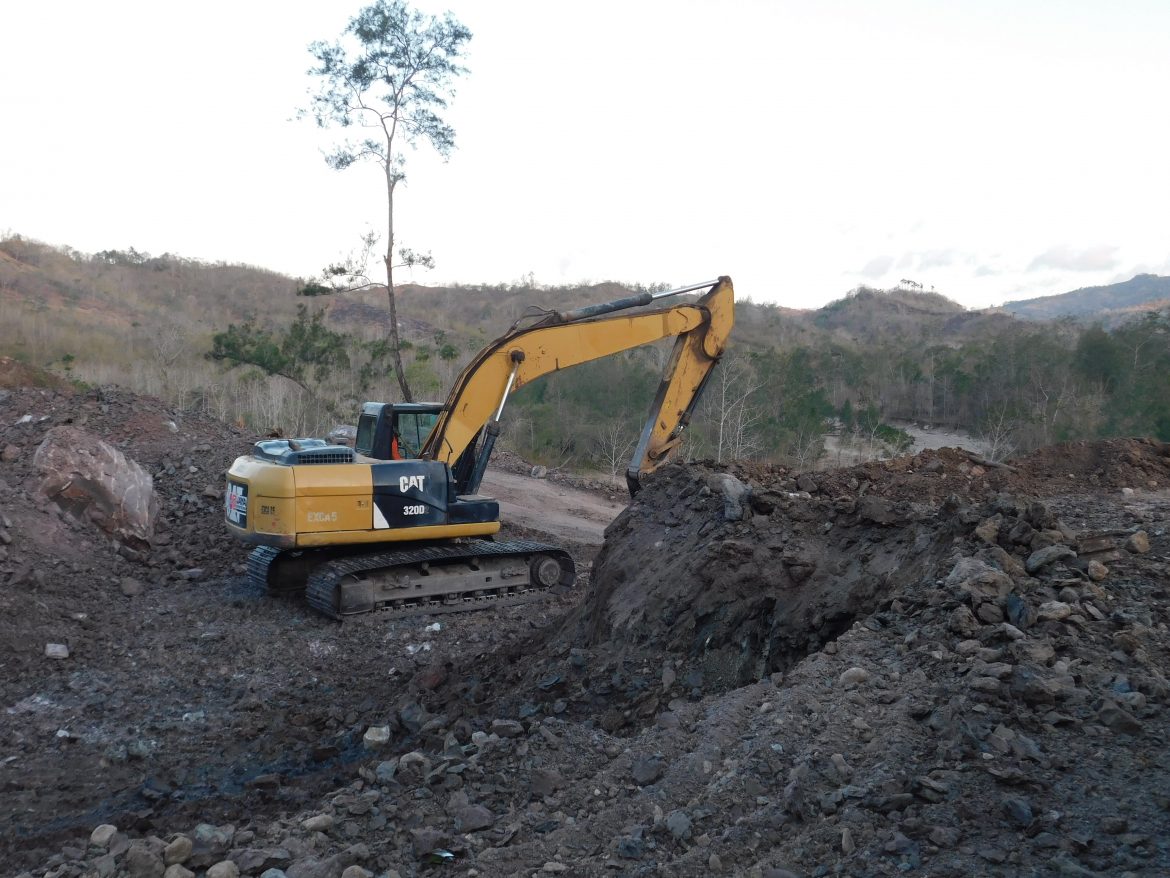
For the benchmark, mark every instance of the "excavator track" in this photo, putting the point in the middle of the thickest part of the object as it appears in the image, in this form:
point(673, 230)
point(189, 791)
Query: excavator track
point(422, 580)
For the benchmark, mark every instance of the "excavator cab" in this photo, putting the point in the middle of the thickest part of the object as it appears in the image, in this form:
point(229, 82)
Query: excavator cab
point(381, 422)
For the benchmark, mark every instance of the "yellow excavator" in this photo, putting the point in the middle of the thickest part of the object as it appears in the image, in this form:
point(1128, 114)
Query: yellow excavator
point(395, 524)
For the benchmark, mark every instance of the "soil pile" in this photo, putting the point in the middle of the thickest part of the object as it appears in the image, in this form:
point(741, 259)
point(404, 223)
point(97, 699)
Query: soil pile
point(924, 666)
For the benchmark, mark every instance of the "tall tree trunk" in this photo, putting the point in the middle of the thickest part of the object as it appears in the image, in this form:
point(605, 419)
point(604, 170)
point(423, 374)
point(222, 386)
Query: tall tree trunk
point(391, 181)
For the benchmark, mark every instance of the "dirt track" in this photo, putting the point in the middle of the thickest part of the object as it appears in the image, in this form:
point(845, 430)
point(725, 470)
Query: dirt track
point(555, 509)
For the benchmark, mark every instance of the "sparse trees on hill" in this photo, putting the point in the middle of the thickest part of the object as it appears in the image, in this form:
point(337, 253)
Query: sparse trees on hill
point(391, 73)
point(307, 345)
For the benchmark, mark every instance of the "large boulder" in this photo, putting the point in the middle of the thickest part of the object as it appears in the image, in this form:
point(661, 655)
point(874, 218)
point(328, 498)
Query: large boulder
point(93, 480)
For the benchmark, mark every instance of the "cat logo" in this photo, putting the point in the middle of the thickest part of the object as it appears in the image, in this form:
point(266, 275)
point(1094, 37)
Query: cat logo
point(405, 483)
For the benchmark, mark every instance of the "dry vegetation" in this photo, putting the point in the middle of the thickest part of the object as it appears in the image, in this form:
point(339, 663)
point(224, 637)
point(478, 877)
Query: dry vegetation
point(852, 369)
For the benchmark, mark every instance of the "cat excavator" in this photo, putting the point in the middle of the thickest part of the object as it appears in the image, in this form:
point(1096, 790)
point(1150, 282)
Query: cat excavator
point(396, 526)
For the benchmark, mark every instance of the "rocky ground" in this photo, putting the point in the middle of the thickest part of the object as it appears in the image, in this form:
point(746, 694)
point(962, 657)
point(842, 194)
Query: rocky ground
point(923, 666)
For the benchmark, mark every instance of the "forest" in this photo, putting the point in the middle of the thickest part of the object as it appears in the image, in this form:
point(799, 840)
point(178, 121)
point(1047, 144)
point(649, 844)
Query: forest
point(238, 342)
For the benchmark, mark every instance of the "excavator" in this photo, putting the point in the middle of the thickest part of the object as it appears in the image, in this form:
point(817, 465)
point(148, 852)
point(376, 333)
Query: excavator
point(395, 525)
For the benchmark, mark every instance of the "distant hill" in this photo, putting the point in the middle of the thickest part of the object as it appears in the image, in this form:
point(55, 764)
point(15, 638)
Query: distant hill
point(869, 315)
point(1110, 304)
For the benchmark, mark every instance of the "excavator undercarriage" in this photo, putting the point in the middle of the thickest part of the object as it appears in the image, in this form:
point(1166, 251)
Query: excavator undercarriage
point(440, 577)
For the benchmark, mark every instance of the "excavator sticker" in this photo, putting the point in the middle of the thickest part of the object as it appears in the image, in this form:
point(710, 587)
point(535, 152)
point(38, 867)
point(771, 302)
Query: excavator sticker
point(235, 503)
point(418, 497)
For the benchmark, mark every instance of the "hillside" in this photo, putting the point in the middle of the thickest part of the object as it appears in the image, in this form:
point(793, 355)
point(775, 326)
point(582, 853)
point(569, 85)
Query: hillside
point(1108, 304)
point(853, 368)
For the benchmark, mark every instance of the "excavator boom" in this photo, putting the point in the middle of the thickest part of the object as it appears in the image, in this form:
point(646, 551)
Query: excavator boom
point(561, 340)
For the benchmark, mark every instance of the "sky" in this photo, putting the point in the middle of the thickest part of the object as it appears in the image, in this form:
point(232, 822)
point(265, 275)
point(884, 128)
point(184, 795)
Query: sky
point(989, 150)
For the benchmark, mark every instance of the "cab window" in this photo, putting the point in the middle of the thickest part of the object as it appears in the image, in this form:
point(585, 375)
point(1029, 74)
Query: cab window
point(364, 443)
point(413, 429)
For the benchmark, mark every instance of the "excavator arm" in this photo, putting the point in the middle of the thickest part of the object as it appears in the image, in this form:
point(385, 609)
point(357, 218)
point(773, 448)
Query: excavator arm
point(560, 340)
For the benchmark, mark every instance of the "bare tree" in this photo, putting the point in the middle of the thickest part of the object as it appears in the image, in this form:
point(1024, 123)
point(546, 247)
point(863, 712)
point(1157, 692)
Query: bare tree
point(615, 441)
point(169, 345)
point(735, 418)
point(998, 432)
point(392, 72)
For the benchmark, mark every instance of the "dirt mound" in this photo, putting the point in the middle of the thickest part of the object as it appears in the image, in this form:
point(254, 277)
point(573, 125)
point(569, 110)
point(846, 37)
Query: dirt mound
point(56, 564)
point(1138, 464)
point(15, 374)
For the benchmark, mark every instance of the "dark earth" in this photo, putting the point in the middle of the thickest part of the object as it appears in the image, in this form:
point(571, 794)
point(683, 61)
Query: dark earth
point(927, 666)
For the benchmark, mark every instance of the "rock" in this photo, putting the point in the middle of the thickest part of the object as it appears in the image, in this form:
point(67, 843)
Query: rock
point(736, 495)
point(413, 767)
point(10, 453)
point(356, 871)
point(376, 736)
point(679, 825)
point(647, 769)
point(988, 529)
point(224, 869)
point(253, 860)
point(1138, 543)
point(142, 862)
point(878, 510)
point(963, 622)
point(978, 579)
point(131, 587)
point(425, 840)
point(853, 677)
point(101, 835)
point(631, 847)
point(91, 479)
point(210, 844)
point(473, 818)
point(1114, 717)
point(848, 846)
point(176, 871)
point(507, 728)
point(386, 770)
point(318, 823)
point(1042, 558)
point(553, 867)
point(1054, 611)
point(546, 781)
point(943, 836)
point(1018, 810)
point(56, 651)
point(178, 850)
point(1097, 571)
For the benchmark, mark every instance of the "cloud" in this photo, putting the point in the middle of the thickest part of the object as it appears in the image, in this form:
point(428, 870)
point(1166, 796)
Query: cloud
point(987, 271)
point(1100, 258)
point(877, 267)
point(1162, 268)
point(936, 259)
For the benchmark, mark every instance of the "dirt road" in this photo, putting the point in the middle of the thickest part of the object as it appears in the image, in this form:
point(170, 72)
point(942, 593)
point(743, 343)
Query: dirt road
point(555, 509)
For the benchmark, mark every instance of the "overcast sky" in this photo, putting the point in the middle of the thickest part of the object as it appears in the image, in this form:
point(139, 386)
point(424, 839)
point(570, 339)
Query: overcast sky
point(990, 150)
